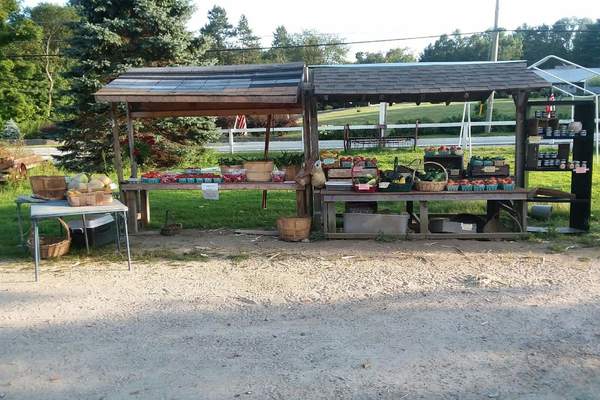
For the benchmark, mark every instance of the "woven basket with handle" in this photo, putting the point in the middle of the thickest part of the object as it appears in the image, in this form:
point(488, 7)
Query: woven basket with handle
point(294, 229)
point(426, 186)
point(48, 187)
point(52, 247)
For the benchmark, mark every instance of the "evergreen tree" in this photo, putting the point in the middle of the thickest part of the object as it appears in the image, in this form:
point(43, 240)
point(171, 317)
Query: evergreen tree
point(248, 40)
point(220, 33)
point(111, 38)
point(281, 38)
point(11, 131)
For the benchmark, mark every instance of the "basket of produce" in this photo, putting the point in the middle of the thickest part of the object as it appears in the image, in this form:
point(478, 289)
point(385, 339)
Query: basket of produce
point(367, 183)
point(278, 176)
point(432, 180)
point(491, 184)
point(151, 177)
point(95, 192)
point(48, 187)
point(506, 184)
point(329, 159)
point(346, 162)
point(397, 181)
point(258, 171)
point(478, 185)
point(294, 229)
point(453, 185)
point(51, 247)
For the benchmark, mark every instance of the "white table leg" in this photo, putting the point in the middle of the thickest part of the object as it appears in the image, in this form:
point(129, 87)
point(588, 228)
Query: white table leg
point(127, 240)
point(117, 229)
point(85, 235)
point(36, 248)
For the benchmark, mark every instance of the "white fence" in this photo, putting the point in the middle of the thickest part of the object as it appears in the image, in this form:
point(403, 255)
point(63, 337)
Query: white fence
point(460, 125)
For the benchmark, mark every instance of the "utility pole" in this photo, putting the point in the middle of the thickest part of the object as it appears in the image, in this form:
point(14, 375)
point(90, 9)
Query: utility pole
point(493, 57)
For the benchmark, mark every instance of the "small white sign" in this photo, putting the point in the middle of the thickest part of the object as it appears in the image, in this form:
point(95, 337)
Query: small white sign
point(581, 170)
point(210, 191)
point(535, 139)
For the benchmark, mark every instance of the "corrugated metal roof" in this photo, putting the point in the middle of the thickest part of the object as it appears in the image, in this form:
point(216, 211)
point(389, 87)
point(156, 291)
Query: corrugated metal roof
point(424, 82)
point(573, 75)
point(264, 83)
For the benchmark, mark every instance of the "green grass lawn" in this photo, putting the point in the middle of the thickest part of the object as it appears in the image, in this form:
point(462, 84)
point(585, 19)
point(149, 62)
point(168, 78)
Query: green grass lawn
point(242, 209)
point(407, 111)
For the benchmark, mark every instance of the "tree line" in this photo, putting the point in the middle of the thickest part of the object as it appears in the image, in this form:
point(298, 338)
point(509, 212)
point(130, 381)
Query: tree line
point(53, 58)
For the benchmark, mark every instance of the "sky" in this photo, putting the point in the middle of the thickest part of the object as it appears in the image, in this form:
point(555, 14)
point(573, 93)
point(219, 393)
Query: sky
point(380, 19)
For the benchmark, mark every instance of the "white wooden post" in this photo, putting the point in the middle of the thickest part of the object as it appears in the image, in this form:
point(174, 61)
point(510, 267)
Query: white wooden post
point(231, 141)
point(382, 118)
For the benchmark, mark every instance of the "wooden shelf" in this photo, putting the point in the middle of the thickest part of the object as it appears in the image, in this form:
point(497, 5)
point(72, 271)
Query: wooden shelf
point(222, 186)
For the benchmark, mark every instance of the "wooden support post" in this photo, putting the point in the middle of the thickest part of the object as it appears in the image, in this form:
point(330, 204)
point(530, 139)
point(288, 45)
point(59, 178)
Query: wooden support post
point(116, 142)
point(145, 207)
point(131, 203)
point(520, 100)
point(267, 140)
point(331, 217)
point(424, 217)
point(130, 137)
point(301, 203)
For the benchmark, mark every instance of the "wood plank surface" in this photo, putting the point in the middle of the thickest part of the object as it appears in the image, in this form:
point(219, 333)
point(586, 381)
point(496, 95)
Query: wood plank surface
point(222, 186)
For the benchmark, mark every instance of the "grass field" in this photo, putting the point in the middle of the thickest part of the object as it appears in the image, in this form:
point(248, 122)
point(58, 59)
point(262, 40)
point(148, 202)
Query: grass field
point(242, 209)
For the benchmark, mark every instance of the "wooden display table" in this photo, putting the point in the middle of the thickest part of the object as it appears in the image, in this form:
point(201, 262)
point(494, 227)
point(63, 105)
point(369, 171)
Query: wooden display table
point(136, 194)
point(515, 199)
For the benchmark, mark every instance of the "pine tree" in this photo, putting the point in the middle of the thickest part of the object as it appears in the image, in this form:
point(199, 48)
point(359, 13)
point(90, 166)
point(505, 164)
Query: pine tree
point(248, 40)
point(112, 37)
point(11, 131)
point(220, 33)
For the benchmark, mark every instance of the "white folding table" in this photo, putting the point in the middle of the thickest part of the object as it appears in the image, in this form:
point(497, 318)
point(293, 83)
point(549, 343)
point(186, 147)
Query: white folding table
point(56, 209)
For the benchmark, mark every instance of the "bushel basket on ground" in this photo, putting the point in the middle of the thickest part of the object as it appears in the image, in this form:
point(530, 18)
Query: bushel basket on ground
point(294, 229)
point(432, 186)
point(48, 187)
point(52, 247)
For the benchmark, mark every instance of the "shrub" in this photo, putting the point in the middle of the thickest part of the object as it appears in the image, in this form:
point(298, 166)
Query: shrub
point(11, 131)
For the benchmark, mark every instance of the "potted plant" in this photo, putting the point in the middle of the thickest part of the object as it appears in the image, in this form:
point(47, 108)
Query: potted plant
point(290, 163)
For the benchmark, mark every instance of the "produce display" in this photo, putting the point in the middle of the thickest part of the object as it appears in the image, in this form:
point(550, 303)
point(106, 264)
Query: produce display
point(444, 151)
point(83, 191)
point(224, 174)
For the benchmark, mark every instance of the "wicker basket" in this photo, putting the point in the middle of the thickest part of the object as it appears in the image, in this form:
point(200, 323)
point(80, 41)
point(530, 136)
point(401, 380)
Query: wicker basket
point(51, 247)
point(294, 229)
point(98, 198)
point(291, 171)
point(258, 171)
point(48, 187)
point(426, 186)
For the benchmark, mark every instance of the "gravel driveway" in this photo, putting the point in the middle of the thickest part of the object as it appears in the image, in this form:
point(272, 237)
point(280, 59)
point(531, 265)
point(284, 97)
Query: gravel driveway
point(213, 315)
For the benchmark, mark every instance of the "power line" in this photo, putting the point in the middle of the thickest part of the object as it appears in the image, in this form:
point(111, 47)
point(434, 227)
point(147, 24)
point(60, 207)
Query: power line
point(348, 43)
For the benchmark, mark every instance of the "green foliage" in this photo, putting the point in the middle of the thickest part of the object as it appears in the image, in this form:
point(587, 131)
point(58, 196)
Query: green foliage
point(288, 158)
point(471, 48)
point(587, 45)
point(397, 55)
point(11, 131)
point(109, 40)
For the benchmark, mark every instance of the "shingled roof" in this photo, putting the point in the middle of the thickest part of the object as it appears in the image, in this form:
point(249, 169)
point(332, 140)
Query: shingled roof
point(423, 82)
point(215, 90)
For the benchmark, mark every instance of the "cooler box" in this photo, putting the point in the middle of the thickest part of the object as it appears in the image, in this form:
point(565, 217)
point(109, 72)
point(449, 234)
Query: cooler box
point(101, 230)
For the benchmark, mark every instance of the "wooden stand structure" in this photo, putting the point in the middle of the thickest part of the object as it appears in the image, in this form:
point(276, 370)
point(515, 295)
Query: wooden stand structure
point(580, 197)
point(294, 88)
point(435, 83)
point(204, 91)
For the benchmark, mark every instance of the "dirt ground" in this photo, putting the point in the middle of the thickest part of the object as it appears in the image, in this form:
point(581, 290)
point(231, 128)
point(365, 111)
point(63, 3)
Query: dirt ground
point(213, 315)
